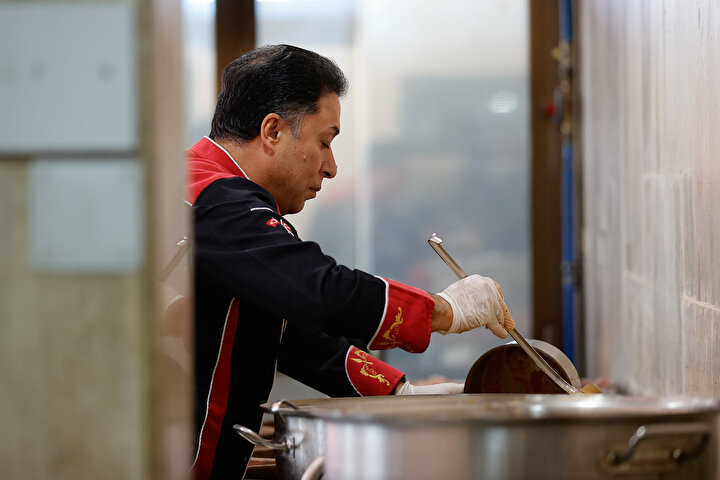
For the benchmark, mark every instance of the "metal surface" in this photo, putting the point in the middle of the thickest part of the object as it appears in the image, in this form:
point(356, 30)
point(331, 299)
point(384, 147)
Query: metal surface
point(435, 242)
point(315, 469)
point(542, 364)
point(521, 437)
point(299, 437)
point(182, 247)
point(484, 378)
point(258, 441)
point(470, 436)
point(280, 404)
point(645, 432)
point(507, 408)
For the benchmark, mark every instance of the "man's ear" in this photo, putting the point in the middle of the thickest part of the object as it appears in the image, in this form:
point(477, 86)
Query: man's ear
point(270, 129)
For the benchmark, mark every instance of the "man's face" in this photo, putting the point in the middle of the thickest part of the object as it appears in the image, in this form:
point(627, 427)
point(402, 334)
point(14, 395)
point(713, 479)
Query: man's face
point(304, 162)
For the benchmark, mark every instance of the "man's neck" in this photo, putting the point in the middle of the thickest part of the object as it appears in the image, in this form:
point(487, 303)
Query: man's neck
point(251, 158)
point(243, 154)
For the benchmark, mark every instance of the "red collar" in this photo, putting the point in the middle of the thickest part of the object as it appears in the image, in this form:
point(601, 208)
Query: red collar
point(207, 162)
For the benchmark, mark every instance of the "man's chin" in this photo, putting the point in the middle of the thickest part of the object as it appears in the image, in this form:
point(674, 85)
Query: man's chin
point(295, 209)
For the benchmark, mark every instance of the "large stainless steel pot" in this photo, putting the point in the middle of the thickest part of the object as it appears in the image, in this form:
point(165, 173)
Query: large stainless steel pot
point(299, 437)
point(495, 436)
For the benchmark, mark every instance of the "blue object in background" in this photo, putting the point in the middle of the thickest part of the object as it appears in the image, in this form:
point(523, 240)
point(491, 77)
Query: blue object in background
point(570, 260)
point(568, 253)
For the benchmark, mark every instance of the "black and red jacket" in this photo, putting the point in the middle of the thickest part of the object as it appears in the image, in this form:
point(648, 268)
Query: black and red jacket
point(264, 299)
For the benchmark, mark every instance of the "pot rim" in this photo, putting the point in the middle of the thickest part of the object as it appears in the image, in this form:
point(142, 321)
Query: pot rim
point(502, 408)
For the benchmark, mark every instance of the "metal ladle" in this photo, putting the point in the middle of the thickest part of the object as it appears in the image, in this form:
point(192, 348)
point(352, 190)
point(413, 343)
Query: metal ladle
point(435, 242)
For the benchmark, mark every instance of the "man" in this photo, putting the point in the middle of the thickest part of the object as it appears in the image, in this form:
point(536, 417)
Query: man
point(264, 298)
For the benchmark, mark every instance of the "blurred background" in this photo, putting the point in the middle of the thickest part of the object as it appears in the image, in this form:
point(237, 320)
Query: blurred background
point(435, 138)
point(564, 148)
point(426, 123)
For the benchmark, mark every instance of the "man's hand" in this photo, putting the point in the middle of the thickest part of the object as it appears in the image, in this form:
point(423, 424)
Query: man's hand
point(408, 388)
point(477, 301)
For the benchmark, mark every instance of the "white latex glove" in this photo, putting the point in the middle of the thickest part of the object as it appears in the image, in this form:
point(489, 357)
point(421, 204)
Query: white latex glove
point(476, 302)
point(437, 389)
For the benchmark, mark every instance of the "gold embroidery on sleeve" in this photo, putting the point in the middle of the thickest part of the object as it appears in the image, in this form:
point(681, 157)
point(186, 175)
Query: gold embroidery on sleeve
point(366, 369)
point(391, 333)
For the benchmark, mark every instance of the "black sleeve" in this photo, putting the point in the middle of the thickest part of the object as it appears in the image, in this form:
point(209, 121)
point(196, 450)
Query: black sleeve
point(338, 367)
point(318, 361)
point(245, 247)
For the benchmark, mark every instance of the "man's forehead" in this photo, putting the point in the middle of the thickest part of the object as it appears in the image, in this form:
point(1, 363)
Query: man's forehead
point(327, 117)
point(330, 103)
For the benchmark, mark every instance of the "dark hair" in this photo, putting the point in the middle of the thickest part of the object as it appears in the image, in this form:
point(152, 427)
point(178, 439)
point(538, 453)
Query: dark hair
point(278, 79)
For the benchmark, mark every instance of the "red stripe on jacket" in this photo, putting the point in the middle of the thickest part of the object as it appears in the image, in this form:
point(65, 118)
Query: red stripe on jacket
point(217, 399)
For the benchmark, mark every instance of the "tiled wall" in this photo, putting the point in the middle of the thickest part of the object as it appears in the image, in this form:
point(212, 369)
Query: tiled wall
point(650, 89)
point(86, 389)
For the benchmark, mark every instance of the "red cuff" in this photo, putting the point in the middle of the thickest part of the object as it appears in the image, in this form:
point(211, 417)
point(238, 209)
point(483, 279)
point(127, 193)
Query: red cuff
point(407, 320)
point(370, 376)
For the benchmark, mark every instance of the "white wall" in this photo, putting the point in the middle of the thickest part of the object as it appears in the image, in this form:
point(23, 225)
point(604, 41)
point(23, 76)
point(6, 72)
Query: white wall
point(86, 389)
point(650, 87)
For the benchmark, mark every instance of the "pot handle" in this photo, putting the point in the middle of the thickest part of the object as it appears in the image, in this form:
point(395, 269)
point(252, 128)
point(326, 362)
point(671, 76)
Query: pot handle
point(257, 440)
point(315, 469)
point(677, 454)
point(283, 403)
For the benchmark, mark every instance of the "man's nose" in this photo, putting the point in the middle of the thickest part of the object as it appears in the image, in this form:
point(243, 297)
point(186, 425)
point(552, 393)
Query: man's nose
point(330, 167)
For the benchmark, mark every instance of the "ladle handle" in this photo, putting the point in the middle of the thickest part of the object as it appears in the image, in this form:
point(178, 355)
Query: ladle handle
point(540, 362)
point(435, 242)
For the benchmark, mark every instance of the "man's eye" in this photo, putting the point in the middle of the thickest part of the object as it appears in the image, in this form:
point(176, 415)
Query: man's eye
point(325, 145)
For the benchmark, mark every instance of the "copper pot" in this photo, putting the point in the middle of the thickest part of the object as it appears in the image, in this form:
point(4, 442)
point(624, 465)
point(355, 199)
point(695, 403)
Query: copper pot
point(508, 369)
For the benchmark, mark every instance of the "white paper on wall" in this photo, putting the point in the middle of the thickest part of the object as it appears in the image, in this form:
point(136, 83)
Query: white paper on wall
point(86, 215)
point(68, 77)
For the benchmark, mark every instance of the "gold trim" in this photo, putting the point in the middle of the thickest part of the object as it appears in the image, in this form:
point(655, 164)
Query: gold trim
point(366, 369)
point(391, 333)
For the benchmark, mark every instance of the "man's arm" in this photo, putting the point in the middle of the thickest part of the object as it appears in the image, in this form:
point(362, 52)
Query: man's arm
point(442, 314)
point(334, 366)
point(245, 248)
